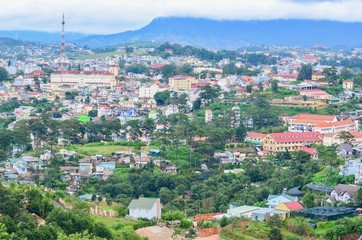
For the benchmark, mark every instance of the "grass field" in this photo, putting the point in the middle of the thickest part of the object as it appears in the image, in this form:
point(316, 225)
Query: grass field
point(104, 149)
point(97, 55)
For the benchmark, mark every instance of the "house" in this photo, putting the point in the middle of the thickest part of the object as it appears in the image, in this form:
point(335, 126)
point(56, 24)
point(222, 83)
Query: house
point(87, 197)
point(319, 188)
point(289, 206)
point(154, 153)
point(85, 168)
point(254, 138)
point(226, 157)
point(290, 141)
point(243, 211)
point(263, 214)
point(181, 83)
point(343, 193)
point(345, 150)
point(317, 76)
point(353, 167)
point(275, 200)
point(313, 152)
point(348, 84)
point(295, 192)
point(148, 208)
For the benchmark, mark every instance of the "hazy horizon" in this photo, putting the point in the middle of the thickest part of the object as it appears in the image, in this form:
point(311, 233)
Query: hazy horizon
point(113, 16)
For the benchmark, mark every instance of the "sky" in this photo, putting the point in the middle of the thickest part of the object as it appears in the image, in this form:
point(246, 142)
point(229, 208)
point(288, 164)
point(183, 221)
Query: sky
point(113, 16)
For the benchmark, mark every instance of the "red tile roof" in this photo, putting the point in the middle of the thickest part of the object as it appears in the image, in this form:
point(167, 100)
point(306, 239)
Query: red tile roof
point(292, 206)
point(310, 151)
point(313, 116)
point(84, 72)
point(255, 135)
point(335, 124)
point(296, 137)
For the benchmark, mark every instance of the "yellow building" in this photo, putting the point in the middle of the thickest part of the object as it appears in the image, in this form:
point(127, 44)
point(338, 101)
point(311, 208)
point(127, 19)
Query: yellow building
point(348, 85)
point(290, 141)
point(181, 83)
point(317, 76)
point(287, 207)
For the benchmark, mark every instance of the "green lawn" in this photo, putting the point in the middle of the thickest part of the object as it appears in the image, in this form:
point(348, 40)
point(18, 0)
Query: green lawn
point(105, 149)
point(97, 55)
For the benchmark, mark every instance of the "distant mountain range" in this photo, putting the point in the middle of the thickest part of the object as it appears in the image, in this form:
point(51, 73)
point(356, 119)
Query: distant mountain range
point(235, 34)
point(217, 34)
point(40, 37)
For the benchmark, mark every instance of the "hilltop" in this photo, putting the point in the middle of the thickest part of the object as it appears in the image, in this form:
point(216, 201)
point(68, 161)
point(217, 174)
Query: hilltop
point(235, 34)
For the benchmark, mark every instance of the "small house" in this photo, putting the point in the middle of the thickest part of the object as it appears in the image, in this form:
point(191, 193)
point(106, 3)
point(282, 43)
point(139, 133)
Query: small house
point(148, 208)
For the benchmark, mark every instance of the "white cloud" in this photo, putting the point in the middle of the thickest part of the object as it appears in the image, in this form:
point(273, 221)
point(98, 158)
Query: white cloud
point(111, 16)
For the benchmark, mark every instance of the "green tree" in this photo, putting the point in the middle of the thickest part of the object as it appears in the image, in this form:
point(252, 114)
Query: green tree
point(162, 98)
point(168, 70)
point(129, 50)
point(275, 234)
point(3, 74)
point(274, 85)
point(305, 72)
point(249, 88)
point(308, 200)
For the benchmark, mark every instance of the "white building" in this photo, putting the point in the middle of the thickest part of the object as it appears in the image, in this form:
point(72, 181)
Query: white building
point(343, 193)
point(148, 91)
point(353, 167)
point(148, 208)
point(75, 79)
point(208, 115)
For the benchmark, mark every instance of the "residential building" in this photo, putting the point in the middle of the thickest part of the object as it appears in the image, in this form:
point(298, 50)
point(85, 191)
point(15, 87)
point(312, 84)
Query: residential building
point(353, 167)
point(275, 200)
point(345, 150)
point(149, 208)
point(343, 193)
point(348, 84)
point(317, 76)
point(208, 115)
point(254, 138)
point(289, 141)
point(181, 83)
point(313, 152)
point(243, 211)
point(148, 90)
point(316, 94)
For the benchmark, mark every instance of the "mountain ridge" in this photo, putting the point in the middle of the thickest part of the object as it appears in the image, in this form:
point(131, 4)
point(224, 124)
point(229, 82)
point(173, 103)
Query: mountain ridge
point(230, 34)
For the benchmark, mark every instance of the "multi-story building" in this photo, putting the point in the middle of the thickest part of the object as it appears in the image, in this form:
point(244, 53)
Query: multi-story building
point(348, 84)
point(148, 91)
point(288, 141)
point(181, 83)
point(306, 122)
point(336, 127)
point(208, 115)
point(75, 79)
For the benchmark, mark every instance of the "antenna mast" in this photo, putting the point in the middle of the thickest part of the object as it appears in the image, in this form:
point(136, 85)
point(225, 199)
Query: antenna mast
point(62, 48)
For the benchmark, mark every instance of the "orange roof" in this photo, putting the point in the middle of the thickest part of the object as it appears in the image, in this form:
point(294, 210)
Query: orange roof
point(335, 124)
point(255, 135)
point(310, 151)
point(356, 134)
point(313, 116)
point(205, 217)
point(308, 121)
point(296, 137)
point(292, 206)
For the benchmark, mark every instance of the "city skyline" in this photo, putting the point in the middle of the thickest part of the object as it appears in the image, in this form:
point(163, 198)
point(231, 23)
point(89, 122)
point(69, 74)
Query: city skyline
point(112, 16)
